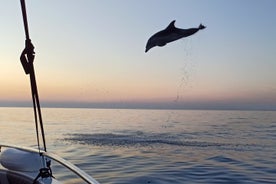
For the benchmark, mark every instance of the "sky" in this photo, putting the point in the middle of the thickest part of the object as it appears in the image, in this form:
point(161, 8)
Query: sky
point(92, 54)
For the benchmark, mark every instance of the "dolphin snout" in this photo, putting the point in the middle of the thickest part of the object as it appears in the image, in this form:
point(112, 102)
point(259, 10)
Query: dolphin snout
point(148, 47)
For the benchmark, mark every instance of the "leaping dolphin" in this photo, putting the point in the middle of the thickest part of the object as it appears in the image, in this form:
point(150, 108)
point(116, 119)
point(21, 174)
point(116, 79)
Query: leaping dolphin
point(170, 34)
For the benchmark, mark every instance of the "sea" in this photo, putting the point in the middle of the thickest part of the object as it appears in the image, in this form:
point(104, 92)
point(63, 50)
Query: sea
point(141, 146)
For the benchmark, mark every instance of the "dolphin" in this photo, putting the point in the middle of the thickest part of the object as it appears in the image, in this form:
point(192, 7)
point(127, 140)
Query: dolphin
point(170, 34)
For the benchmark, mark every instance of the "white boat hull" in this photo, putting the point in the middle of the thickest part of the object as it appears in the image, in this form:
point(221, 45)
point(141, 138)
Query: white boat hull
point(22, 165)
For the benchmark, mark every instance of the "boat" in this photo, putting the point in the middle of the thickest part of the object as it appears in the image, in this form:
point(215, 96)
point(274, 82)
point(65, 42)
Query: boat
point(23, 165)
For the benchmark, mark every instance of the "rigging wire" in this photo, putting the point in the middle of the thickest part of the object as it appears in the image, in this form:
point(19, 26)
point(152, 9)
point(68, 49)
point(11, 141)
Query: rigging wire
point(27, 59)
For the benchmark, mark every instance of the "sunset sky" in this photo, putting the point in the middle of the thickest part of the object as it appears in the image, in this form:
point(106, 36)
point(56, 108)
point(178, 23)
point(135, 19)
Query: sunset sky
point(92, 54)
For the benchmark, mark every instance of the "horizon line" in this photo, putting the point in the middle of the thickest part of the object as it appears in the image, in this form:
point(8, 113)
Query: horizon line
point(144, 105)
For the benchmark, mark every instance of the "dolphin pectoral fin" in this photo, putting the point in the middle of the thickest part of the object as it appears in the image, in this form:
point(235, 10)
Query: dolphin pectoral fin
point(161, 44)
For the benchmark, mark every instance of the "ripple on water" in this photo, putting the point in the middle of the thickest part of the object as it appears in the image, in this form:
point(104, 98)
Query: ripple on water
point(143, 139)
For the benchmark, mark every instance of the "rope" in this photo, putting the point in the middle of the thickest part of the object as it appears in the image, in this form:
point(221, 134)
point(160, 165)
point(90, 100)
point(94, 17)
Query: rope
point(27, 59)
point(24, 14)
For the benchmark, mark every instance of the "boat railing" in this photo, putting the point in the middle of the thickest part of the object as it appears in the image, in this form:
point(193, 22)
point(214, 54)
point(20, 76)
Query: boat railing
point(83, 175)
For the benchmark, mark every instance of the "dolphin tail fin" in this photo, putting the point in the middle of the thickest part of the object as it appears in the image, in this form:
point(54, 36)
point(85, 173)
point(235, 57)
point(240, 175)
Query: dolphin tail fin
point(201, 26)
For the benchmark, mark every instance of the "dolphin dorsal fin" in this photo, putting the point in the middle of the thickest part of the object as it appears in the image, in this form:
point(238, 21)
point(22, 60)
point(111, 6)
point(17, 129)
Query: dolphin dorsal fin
point(171, 25)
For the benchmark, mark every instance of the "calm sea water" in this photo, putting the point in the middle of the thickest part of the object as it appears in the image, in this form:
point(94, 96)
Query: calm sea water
point(154, 146)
